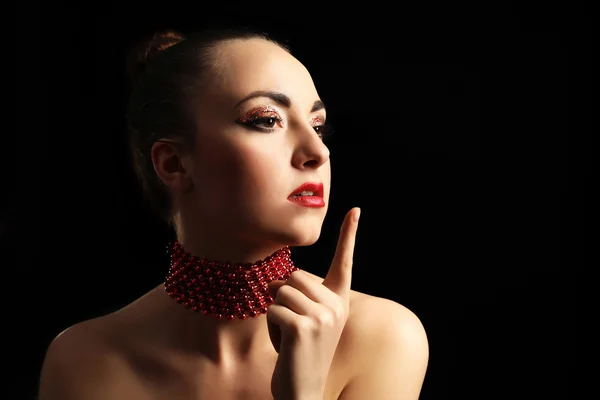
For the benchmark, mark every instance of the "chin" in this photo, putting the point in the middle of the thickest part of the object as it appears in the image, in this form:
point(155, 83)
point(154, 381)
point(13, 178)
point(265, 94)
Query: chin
point(299, 230)
point(304, 237)
point(296, 237)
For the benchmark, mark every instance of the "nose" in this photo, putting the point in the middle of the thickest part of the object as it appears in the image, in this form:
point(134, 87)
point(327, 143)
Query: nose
point(310, 151)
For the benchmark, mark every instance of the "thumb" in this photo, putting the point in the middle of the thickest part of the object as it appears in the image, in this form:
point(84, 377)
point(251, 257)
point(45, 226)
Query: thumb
point(339, 276)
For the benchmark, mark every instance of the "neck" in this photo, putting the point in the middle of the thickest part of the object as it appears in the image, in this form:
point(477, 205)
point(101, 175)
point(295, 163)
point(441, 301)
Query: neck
point(223, 342)
point(220, 242)
point(223, 304)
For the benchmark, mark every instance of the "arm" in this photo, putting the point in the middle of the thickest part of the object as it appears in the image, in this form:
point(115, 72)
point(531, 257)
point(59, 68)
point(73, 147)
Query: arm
point(393, 354)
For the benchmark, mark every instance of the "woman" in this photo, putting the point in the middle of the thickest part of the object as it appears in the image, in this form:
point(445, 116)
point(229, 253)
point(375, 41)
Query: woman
point(226, 134)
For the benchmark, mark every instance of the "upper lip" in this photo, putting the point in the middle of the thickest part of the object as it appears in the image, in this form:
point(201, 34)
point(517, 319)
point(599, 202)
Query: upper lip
point(316, 188)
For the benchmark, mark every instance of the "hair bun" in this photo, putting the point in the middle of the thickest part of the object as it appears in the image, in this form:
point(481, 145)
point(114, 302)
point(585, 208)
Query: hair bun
point(142, 52)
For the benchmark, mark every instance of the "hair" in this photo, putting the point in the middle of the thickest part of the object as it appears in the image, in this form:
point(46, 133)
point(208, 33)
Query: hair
point(167, 73)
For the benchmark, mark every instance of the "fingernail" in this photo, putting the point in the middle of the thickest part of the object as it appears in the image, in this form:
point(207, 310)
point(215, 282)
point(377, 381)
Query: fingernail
point(357, 215)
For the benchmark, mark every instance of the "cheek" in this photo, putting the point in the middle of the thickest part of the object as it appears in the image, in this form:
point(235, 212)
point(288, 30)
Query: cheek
point(258, 171)
point(215, 170)
point(229, 171)
point(324, 172)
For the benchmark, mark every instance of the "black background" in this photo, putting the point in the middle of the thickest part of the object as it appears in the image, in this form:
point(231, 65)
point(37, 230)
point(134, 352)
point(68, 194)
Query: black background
point(456, 132)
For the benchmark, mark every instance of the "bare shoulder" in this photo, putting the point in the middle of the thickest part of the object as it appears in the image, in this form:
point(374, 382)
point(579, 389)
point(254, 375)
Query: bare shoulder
point(377, 317)
point(383, 352)
point(81, 362)
point(373, 317)
point(387, 348)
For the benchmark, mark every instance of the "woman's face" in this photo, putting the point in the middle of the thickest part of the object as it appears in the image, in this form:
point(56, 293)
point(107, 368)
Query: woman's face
point(258, 140)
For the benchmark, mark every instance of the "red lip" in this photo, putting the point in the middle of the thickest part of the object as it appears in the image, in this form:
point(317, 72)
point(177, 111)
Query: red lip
point(316, 188)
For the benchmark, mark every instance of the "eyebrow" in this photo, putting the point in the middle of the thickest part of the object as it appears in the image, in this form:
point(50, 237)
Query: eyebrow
point(279, 98)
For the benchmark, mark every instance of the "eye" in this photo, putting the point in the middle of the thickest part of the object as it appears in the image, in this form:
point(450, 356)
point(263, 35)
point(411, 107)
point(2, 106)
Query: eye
point(265, 122)
point(320, 129)
point(263, 119)
point(323, 130)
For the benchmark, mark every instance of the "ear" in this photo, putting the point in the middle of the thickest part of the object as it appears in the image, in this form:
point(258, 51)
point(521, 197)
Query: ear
point(170, 166)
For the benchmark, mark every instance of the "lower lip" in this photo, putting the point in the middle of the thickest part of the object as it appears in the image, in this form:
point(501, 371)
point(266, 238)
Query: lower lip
point(308, 201)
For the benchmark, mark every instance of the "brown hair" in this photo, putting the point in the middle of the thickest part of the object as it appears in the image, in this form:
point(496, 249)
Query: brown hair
point(166, 74)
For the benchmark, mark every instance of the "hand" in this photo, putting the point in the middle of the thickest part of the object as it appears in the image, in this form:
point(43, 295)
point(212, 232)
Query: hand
point(307, 318)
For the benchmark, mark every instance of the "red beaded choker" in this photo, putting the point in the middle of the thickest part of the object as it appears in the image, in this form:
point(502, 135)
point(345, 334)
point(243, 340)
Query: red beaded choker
point(224, 290)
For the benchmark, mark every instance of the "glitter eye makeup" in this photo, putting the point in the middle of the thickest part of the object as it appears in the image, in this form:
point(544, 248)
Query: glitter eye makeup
point(318, 124)
point(267, 118)
point(317, 121)
point(262, 118)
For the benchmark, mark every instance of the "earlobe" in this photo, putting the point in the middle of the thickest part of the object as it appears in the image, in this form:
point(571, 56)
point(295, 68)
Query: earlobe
point(181, 182)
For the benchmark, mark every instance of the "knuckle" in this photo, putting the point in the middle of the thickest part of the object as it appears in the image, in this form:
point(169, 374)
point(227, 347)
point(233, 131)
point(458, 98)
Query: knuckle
point(302, 326)
point(285, 291)
point(325, 320)
point(330, 317)
point(296, 278)
point(338, 313)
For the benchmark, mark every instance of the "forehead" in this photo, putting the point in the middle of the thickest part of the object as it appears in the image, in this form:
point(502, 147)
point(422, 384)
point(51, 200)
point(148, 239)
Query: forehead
point(244, 66)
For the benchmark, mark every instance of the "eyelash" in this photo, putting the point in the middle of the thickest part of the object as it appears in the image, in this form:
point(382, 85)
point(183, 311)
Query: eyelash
point(269, 120)
point(323, 130)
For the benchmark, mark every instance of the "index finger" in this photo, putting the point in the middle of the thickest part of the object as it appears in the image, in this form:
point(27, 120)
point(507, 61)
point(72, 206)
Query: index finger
point(339, 277)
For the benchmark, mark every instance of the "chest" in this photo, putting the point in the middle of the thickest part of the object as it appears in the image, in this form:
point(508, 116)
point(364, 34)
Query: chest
point(252, 382)
point(248, 382)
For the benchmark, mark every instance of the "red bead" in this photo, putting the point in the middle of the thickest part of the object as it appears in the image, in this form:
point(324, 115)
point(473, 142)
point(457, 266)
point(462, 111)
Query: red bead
point(224, 290)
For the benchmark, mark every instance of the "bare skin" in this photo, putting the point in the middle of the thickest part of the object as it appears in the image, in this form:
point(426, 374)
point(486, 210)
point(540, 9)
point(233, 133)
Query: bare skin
point(236, 182)
point(132, 354)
